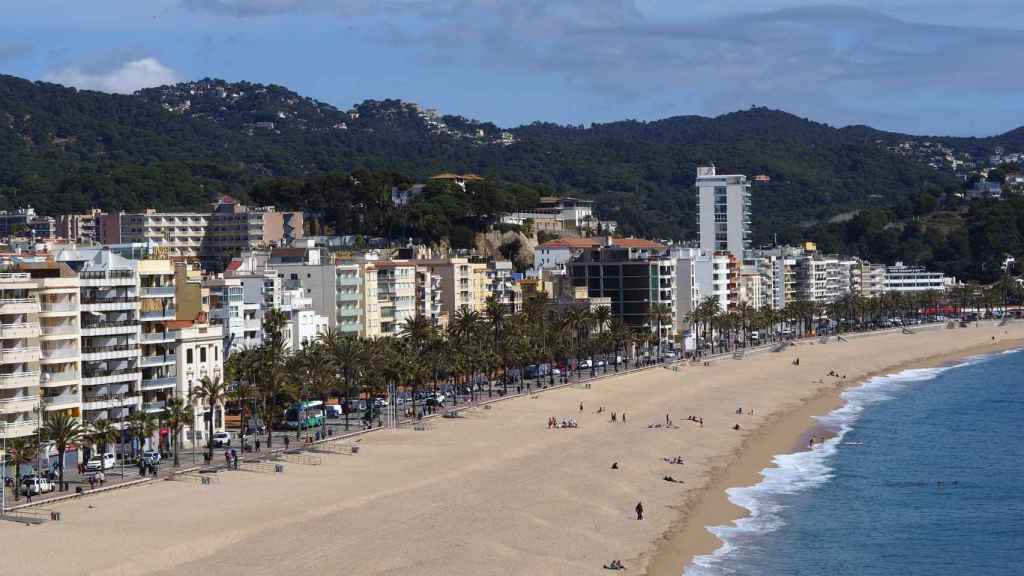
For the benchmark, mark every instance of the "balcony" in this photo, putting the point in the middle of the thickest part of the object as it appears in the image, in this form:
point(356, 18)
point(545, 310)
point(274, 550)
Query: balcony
point(104, 401)
point(16, 404)
point(110, 300)
point(19, 379)
point(19, 428)
point(62, 378)
point(167, 314)
point(157, 291)
point(154, 406)
point(64, 354)
point(19, 330)
point(159, 383)
point(58, 308)
point(61, 401)
point(158, 360)
point(110, 328)
point(63, 332)
point(156, 337)
point(18, 355)
point(99, 377)
point(18, 305)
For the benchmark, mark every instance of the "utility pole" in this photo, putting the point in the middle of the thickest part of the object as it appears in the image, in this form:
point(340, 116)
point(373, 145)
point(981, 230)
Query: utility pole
point(3, 472)
point(122, 435)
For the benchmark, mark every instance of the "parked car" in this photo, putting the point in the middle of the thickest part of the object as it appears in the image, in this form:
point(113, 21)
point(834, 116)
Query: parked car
point(151, 457)
point(101, 462)
point(221, 440)
point(36, 485)
point(333, 411)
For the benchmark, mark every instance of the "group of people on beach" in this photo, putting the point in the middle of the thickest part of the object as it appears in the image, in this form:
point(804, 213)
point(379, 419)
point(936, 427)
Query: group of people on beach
point(565, 423)
point(697, 419)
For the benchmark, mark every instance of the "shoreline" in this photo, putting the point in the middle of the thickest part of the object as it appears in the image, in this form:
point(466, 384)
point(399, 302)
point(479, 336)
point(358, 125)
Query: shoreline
point(784, 433)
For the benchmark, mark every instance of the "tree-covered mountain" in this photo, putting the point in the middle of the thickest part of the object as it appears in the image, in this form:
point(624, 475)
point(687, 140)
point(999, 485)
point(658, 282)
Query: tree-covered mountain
point(173, 147)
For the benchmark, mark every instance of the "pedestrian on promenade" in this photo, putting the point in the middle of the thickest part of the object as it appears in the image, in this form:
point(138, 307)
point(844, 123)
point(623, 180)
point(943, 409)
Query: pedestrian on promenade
point(639, 511)
point(286, 442)
point(101, 477)
point(257, 444)
point(227, 458)
point(92, 482)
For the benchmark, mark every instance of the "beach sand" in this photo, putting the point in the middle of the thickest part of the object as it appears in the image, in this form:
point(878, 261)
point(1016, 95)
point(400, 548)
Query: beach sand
point(495, 491)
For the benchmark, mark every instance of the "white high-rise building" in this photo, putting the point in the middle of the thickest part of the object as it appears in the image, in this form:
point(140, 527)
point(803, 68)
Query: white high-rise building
point(724, 208)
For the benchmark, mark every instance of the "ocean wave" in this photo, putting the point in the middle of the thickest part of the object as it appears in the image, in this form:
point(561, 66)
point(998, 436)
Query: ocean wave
point(800, 471)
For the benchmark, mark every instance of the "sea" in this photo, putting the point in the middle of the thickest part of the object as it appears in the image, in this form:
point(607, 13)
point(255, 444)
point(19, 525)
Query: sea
point(924, 477)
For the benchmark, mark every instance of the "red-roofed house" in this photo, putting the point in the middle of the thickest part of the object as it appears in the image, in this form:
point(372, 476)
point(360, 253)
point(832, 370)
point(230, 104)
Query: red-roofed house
point(556, 253)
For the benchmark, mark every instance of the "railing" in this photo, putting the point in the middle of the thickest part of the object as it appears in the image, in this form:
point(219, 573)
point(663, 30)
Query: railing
point(158, 290)
point(114, 348)
point(19, 428)
point(115, 324)
point(111, 300)
point(17, 376)
point(153, 406)
point(160, 336)
point(59, 330)
point(19, 399)
point(58, 306)
point(13, 351)
point(60, 399)
point(17, 301)
point(158, 359)
point(16, 326)
point(154, 383)
point(158, 313)
point(64, 376)
point(122, 398)
point(118, 372)
point(104, 274)
point(58, 353)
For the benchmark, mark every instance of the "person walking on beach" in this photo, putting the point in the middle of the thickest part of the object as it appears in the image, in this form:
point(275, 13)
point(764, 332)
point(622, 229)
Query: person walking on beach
point(639, 511)
point(581, 407)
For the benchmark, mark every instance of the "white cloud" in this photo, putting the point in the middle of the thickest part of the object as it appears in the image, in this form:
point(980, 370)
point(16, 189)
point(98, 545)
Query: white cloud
point(125, 78)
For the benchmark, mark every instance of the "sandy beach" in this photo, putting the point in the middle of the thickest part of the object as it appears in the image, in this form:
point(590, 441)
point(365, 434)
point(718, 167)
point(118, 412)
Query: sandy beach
point(496, 491)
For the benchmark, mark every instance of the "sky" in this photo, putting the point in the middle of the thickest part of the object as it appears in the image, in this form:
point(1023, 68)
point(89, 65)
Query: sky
point(916, 66)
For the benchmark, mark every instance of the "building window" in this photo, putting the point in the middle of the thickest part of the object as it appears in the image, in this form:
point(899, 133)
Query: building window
point(188, 356)
point(202, 354)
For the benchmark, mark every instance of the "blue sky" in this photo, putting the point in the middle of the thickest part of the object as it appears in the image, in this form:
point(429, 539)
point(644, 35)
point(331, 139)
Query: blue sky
point(925, 67)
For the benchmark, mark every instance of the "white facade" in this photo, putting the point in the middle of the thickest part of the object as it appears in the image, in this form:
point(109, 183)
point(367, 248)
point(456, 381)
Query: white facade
point(900, 278)
point(724, 212)
point(199, 353)
point(688, 295)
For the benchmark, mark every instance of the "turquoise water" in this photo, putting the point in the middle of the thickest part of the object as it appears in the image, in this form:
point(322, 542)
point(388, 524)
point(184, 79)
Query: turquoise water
point(925, 478)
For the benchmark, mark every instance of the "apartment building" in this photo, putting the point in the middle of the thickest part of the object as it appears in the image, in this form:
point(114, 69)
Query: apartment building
point(903, 278)
point(688, 294)
point(502, 283)
point(212, 237)
point(635, 275)
point(82, 228)
point(724, 212)
point(110, 333)
point(463, 283)
point(429, 297)
point(158, 311)
point(303, 323)
point(396, 295)
point(868, 280)
point(20, 392)
point(228, 310)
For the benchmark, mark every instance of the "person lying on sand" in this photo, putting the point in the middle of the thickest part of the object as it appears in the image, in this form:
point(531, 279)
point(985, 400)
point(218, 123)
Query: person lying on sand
point(614, 565)
point(671, 479)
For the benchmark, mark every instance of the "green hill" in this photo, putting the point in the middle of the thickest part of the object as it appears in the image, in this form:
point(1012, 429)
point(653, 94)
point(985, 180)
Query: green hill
point(173, 147)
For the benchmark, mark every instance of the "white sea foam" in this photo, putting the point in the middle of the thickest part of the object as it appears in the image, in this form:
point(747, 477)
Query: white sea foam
point(792, 473)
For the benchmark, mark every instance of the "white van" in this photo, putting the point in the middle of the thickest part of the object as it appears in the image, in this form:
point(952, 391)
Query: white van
point(101, 462)
point(333, 411)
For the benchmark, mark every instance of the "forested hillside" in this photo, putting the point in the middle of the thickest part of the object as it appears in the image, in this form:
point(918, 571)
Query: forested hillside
point(174, 147)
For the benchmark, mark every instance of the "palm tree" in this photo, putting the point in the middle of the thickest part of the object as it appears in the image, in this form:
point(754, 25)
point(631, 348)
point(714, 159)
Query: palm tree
point(272, 374)
point(142, 425)
point(323, 374)
point(102, 433)
point(22, 451)
point(63, 430)
point(178, 413)
point(211, 392)
point(350, 357)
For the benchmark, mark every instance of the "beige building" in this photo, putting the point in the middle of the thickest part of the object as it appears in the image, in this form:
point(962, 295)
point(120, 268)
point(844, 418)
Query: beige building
point(212, 237)
point(463, 283)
